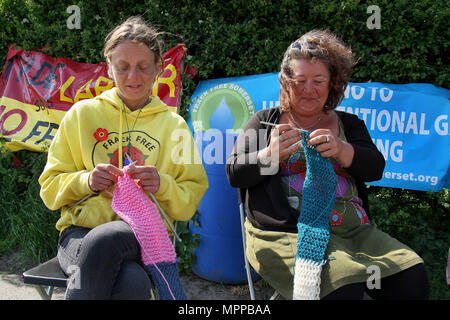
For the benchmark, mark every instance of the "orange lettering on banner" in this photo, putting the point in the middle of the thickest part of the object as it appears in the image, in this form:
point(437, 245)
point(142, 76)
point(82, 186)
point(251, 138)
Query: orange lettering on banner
point(99, 89)
point(66, 84)
point(87, 92)
point(168, 81)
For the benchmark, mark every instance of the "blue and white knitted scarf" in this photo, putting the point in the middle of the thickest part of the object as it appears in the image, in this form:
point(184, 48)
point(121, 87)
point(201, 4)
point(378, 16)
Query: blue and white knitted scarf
point(319, 193)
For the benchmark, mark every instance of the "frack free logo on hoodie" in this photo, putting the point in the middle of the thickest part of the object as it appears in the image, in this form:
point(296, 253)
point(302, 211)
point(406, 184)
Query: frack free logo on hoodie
point(143, 149)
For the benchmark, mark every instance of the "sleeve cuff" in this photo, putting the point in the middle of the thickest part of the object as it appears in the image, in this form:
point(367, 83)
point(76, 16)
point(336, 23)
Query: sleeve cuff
point(164, 181)
point(84, 179)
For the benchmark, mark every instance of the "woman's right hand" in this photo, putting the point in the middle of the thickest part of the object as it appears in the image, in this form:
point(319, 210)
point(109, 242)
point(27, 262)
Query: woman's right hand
point(103, 176)
point(283, 142)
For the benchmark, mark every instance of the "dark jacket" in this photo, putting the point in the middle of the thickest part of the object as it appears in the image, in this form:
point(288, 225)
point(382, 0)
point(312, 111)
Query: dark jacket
point(267, 205)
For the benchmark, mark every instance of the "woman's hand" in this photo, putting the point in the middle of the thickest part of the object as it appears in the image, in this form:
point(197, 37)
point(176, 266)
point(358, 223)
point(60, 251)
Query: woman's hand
point(103, 176)
point(147, 176)
point(330, 146)
point(283, 142)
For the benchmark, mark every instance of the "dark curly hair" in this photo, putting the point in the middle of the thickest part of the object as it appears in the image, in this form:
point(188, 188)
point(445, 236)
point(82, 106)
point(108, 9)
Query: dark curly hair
point(326, 47)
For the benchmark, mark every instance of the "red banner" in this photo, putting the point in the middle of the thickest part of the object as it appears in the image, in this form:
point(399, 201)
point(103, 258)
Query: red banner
point(36, 90)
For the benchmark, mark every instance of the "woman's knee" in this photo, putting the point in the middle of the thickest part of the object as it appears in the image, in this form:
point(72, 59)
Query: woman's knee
point(132, 283)
point(107, 246)
point(111, 237)
point(409, 284)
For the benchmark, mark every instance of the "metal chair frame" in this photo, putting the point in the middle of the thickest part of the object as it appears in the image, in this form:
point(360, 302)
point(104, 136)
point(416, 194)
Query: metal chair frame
point(248, 268)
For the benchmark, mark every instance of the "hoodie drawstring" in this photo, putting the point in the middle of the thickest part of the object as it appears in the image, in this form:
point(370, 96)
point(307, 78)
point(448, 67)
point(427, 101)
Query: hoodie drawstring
point(120, 141)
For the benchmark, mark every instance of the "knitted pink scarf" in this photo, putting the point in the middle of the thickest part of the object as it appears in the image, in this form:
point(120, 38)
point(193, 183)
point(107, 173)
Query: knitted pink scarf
point(134, 207)
point(157, 252)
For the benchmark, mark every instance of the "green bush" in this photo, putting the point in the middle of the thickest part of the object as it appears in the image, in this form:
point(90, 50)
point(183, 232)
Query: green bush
point(422, 221)
point(25, 222)
point(235, 38)
point(243, 37)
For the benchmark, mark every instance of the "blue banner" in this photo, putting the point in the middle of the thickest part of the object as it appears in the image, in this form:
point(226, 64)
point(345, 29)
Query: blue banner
point(409, 123)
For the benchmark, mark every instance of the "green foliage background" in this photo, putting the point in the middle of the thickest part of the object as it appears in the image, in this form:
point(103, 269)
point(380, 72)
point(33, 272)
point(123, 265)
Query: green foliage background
point(235, 38)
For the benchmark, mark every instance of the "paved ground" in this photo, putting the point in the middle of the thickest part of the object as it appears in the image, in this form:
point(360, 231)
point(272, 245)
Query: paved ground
point(13, 288)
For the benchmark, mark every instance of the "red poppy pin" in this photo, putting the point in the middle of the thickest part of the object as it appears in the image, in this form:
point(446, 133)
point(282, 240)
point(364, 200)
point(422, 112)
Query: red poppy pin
point(101, 134)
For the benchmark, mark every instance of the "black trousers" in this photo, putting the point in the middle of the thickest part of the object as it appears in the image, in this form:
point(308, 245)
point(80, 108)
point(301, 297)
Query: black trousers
point(409, 284)
point(103, 263)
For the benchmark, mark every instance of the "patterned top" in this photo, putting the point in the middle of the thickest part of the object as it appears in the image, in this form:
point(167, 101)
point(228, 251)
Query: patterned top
point(348, 213)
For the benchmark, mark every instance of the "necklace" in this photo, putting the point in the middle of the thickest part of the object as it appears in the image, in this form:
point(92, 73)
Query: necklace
point(300, 127)
point(127, 154)
point(291, 198)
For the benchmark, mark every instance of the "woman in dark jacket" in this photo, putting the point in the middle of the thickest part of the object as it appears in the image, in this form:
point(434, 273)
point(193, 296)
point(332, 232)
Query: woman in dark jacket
point(268, 161)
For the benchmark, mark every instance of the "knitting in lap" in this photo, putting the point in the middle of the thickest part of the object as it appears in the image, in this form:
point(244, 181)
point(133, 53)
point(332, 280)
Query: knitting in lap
point(157, 252)
point(318, 197)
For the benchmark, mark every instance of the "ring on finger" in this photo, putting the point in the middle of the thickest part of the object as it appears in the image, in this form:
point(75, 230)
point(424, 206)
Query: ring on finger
point(328, 138)
point(281, 138)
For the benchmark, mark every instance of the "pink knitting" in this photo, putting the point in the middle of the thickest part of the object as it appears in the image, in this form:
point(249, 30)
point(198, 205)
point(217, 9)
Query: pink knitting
point(135, 207)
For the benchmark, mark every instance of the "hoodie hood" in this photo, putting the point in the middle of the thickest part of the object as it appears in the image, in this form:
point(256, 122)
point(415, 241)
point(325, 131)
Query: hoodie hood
point(152, 109)
point(111, 97)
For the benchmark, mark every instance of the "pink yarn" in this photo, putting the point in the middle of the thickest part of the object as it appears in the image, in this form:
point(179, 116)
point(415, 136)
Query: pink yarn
point(135, 207)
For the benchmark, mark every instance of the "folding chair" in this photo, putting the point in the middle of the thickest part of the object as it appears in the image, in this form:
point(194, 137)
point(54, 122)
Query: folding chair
point(248, 269)
point(48, 275)
point(45, 277)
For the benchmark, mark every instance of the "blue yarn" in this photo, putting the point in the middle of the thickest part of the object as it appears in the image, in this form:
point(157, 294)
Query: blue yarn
point(170, 272)
point(319, 193)
point(313, 243)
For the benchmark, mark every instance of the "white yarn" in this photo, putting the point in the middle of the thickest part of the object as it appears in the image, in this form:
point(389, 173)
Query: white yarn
point(307, 280)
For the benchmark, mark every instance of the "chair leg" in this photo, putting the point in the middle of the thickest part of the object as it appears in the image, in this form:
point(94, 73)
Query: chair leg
point(247, 265)
point(275, 295)
point(45, 294)
point(154, 294)
point(244, 244)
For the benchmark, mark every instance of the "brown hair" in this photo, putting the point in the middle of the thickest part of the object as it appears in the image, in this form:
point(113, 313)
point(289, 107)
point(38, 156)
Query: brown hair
point(135, 29)
point(326, 47)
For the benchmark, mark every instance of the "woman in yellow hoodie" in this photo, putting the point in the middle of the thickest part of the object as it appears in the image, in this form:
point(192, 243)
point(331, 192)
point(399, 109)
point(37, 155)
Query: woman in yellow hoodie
point(95, 139)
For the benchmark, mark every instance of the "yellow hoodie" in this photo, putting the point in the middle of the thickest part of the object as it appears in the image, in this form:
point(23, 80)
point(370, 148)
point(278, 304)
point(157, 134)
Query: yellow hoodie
point(90, 133)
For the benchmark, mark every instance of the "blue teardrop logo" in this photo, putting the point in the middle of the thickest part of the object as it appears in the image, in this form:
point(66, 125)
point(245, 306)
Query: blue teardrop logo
point(222, 118)
point(224, 107)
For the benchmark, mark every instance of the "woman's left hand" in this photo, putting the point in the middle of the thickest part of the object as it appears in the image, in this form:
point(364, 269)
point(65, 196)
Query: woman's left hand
point(331, 146)
point(147, 176)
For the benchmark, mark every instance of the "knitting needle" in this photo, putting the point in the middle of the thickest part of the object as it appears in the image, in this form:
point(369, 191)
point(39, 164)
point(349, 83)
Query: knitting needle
point(165, 217)
point(90, 195)
point(157, 204)
point(151, 195)
point(81, 200)
point(131, 163)
point(275, 124)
